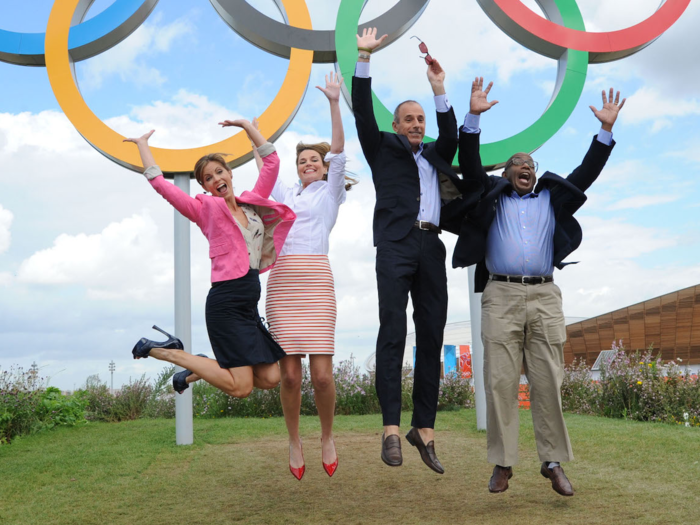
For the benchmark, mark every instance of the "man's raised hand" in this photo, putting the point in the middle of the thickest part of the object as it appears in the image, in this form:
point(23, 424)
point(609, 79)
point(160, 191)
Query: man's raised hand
point(436, 75)
point(369, 39)
point(608, 114)
point(478, 102)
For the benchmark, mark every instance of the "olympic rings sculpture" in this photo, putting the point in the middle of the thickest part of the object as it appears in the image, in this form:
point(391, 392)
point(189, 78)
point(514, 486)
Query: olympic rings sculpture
point(561, 36)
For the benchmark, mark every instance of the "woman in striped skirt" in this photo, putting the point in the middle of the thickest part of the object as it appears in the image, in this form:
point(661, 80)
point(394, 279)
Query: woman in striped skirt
point(300, 303)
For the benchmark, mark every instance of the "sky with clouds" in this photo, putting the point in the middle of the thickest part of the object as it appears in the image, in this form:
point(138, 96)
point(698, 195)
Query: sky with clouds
point(86, 247)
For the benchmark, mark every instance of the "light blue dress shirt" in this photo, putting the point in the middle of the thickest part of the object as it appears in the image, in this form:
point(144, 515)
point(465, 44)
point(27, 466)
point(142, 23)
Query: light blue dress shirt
point(430, 202)
point(521, 237)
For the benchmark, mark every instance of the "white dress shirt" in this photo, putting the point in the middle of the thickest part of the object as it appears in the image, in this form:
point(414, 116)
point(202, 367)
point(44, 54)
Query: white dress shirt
point(316, 207)
point(430, 202)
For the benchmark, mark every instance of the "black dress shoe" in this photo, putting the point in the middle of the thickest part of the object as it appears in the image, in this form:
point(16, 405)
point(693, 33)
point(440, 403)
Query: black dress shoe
point(427, 452)
point(391, 450)
point(144, 346)
point(180, 379)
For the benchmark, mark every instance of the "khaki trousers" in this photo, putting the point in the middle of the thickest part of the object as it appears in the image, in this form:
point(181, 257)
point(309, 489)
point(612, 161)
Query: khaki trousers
point(523, 324)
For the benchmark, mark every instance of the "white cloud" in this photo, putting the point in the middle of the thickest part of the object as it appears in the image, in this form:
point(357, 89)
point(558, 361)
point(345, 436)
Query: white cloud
point(6, 218)
point(124, 261)
point(649, 103)
point(614, 269)
point(642, 201)
point(49, 131)
point(188, 120)
point(127, 60)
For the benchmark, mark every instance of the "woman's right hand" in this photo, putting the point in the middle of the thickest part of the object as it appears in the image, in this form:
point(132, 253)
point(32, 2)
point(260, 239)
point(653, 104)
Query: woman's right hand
point(143, 139)
point(238, 123)
point(332, 89)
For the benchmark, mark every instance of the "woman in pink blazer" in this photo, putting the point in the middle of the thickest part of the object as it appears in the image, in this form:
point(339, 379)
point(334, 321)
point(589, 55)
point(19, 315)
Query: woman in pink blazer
point(245, 235)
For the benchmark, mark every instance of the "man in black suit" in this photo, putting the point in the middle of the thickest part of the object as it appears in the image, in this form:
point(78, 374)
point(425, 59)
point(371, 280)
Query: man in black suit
point(412, 180)
point(519, 232)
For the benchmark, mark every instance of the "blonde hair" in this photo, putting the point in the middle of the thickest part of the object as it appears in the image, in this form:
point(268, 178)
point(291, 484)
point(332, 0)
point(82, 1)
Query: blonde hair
point(202, 163)
point(323, 148)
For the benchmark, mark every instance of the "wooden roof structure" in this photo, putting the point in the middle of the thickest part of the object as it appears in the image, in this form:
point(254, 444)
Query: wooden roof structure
point(670, 322)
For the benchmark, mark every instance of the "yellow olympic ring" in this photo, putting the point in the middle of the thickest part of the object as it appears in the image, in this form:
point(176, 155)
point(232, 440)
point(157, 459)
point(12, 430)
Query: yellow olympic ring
point(110, 143)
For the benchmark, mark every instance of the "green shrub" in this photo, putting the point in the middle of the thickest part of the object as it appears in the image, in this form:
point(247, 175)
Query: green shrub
point(455, 393)
point(26, 406)
point(637, 386)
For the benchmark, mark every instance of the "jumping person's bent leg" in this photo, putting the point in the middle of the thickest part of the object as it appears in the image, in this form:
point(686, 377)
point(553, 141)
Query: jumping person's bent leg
point(266, 376)
point(236, 382)
point(395, 266)
point(503, 319)
point(324, 393)
point(290, 397)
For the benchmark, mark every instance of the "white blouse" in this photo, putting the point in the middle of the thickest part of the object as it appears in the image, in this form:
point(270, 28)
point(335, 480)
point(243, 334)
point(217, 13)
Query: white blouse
point(316, 207)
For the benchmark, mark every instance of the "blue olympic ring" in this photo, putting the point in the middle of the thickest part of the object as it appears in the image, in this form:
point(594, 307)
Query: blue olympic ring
point(86, 39)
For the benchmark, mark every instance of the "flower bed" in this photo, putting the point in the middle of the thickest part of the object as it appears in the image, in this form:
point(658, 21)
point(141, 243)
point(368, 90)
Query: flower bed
point(637, 386)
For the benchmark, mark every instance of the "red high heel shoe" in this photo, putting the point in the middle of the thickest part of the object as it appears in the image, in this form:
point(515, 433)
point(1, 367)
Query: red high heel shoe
point(297, 472)
point(330, 468)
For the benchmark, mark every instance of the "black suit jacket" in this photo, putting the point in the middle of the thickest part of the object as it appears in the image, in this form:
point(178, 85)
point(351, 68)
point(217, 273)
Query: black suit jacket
point(567, 196)
point(395, 172)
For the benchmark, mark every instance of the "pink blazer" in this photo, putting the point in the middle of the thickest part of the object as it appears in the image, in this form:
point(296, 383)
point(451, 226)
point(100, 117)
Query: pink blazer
point(227, 248)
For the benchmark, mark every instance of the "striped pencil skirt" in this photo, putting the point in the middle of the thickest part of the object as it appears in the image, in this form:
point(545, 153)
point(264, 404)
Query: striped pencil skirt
point(300, 304)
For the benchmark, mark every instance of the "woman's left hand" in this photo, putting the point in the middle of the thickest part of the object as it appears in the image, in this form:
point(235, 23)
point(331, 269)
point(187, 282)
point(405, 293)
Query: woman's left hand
point(332, 89)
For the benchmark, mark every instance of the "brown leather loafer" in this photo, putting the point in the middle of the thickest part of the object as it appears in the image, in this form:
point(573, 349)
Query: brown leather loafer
point(560, 482)
point(427, 452)
point(499, 479)
point(391, 450)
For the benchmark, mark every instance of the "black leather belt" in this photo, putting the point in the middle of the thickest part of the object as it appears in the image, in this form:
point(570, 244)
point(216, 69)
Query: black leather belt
point(425, 225)
point(522, 279)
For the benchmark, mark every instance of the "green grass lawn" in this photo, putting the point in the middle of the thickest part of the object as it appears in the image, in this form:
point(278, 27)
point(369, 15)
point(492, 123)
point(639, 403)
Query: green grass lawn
point(624, 472)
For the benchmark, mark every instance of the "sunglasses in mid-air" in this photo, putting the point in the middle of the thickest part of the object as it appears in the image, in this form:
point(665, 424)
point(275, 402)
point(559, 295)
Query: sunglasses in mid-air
point(424, 49)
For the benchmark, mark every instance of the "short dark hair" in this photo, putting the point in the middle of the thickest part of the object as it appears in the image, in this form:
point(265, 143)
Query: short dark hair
point(396, 111)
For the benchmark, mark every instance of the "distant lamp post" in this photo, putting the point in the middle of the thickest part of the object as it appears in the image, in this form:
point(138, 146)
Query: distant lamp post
point(112, 368)
point(33, 374)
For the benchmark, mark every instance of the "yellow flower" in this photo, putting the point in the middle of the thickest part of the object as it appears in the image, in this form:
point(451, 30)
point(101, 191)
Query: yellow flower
point(638, 382)
point(222, 410)
point(641, 362)
point(649, 365)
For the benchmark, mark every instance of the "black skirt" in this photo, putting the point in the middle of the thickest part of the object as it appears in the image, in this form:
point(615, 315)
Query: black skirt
point(236, 332)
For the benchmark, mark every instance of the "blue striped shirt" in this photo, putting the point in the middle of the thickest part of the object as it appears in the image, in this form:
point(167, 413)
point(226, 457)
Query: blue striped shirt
point(521, 237)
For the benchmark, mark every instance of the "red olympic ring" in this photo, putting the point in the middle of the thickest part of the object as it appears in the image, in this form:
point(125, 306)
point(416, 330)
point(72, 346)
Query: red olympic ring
point(607, 46)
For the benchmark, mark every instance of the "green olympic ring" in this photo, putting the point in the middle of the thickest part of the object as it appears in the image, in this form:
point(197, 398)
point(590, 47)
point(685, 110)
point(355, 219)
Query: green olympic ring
point(571, 77)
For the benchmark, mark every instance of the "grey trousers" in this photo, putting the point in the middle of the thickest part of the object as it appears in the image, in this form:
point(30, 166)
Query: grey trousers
point(524, 325)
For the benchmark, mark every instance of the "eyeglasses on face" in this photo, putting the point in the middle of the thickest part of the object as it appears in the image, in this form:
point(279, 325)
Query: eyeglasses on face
point(424, 49)
point(519, 161)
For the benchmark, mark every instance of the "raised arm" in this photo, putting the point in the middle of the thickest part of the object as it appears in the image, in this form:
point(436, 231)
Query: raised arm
point(258, 158)
point(144, 149)
point(596, 157)
point(271, 162)
point(447, 141)
point(332, 92)
point(362, 107)
point(180, 200)
point(469, 157)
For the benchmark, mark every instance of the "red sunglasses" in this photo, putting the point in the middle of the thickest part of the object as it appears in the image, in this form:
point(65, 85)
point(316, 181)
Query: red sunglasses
point(424, 49)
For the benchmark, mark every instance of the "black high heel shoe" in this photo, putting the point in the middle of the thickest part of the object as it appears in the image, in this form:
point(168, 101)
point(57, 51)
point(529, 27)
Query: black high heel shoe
point(144, 346)
point(180, 379)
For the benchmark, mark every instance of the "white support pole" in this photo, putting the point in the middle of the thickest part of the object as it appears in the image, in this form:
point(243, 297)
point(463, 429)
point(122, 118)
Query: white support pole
point(184, 434)
point(477, 353)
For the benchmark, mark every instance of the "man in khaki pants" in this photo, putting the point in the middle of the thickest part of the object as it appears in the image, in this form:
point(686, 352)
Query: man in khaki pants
point(516, 235)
